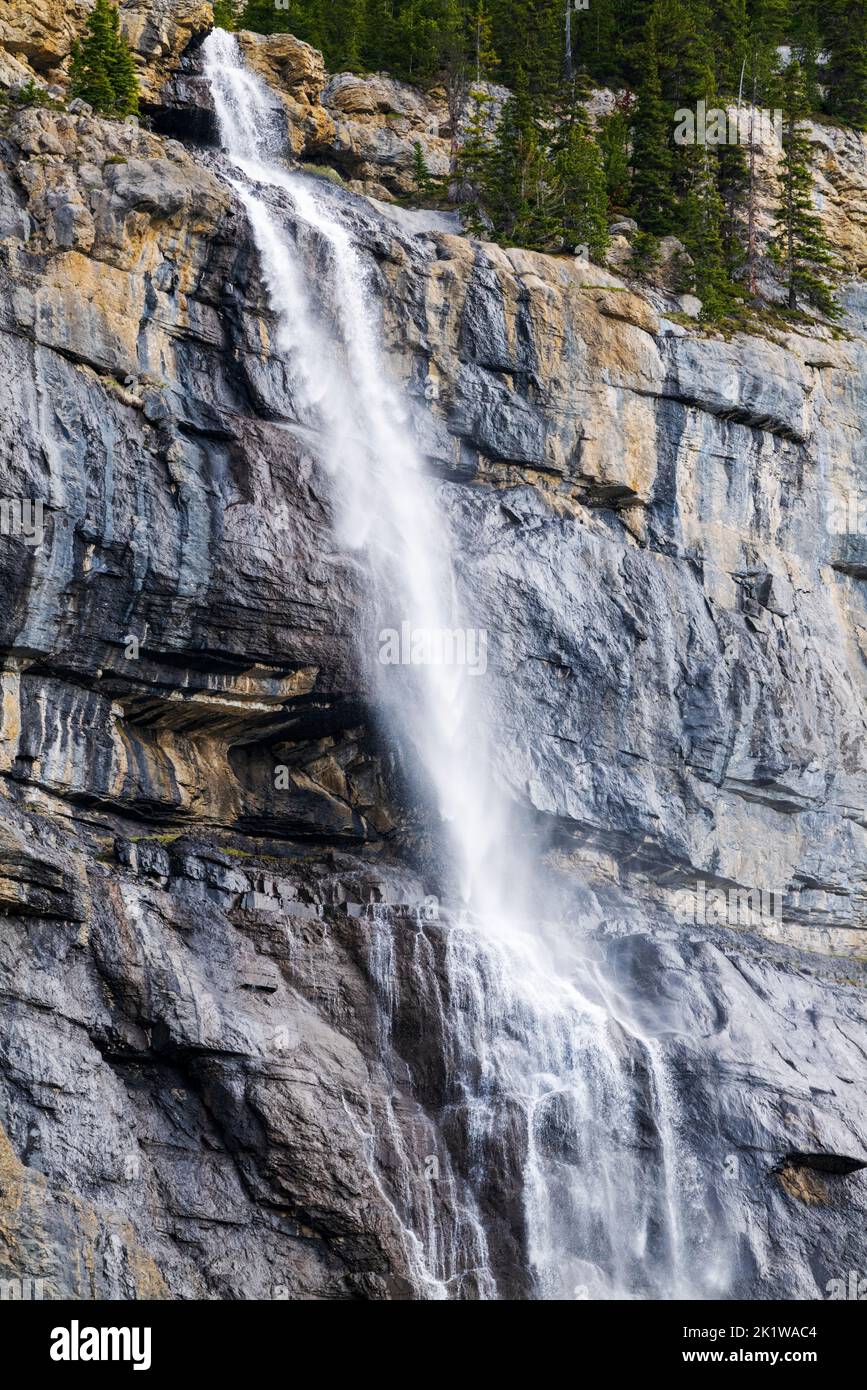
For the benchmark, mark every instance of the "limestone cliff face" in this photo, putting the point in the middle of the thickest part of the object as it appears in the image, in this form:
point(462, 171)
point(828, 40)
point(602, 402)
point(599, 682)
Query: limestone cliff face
point(224, 1053)
point(41, 33)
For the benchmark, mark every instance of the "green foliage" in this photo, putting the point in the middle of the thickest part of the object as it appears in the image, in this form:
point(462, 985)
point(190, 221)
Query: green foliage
point(703, 46)
point(542, 176)
point(518, 192)
point(732, 27)
point(645, 253)
point(846, 31)
point(225, 14)
point(102, 70)
point(799, 245)
point(30, 94)
point(614, 144)
point(702, 237)
point(579, 193)
point(652, 157)
point(532, 182)
point(263, 17)
point(474, 163)
point(806, 37)
point(425, 183)
point(484, 55)
point(733, 183)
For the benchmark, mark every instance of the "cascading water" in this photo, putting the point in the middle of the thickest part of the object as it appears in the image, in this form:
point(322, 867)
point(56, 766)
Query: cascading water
point(530, 1027)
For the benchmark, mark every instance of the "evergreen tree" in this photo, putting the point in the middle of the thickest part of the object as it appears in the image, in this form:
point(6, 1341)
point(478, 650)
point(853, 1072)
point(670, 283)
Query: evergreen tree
point(769, 22)
point(484, 56)
point(102, 70)
point(846, 28)
point(614, 144)
point(633, 21)
point(422, 177)
point(597, 41)
point(580, 195)
point(474, 164)
point(652, 163)
point(732, 30)
point(224, 15)
point(528, 36)
point(345, 25)
point(799, 245)
point(733, 184)
point(684, 52)
point(519, 198)
point(263, 17)
point(702, 236)
point(806, 36)
point(378, 47)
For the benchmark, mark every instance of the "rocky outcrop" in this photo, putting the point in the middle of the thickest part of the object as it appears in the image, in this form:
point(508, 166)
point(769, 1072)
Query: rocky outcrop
point(40, 33)
point(226, 1063)
point(296, 72)
point(364, 128)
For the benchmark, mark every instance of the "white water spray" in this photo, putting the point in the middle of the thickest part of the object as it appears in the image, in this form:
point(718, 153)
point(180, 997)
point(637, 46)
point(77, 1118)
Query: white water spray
point(530, 1030)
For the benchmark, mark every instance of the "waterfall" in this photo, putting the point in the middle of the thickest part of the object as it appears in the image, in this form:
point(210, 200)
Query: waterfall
point(550, 1080)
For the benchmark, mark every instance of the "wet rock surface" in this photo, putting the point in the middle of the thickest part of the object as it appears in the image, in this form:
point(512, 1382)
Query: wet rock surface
point(226, 1066)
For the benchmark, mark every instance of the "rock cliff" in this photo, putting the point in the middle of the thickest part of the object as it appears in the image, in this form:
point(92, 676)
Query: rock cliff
point(225, 1061)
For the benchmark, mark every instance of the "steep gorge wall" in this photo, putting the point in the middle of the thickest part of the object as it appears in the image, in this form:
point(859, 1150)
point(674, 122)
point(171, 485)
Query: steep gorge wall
point(211, 1085)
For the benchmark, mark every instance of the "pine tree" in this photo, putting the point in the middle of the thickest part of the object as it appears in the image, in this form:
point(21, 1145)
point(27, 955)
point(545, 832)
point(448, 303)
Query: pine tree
point(378, 42)
point(806, 36)
point(597, 41)
point(102, 70)
point(424, 181)
point(224, 15)
point(528, 35)
point(473, 165)
point(652, 163)
point(344, 35)
point(702, 236)
point(614, 144)
point(519, 195)
point(799, 245)
point(632, 26)
point(484, 55)
point(263, 17)
point(731, 51)
point(577, 177)
point(769, 22)
point(733, 183)
point(846, 29)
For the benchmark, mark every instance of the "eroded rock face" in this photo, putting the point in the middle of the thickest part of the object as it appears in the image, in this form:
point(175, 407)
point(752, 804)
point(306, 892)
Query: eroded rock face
point(41, 34)
point(227, 1060)
point(296, 72)
point(364, 128)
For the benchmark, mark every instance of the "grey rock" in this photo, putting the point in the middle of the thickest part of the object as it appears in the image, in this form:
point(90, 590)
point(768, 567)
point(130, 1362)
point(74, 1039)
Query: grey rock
point(624, 226)
point(227, 1034)
point(689, 304)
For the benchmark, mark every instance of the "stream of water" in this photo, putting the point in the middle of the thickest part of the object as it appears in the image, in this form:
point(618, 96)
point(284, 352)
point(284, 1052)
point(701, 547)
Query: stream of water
point(543, 1057)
